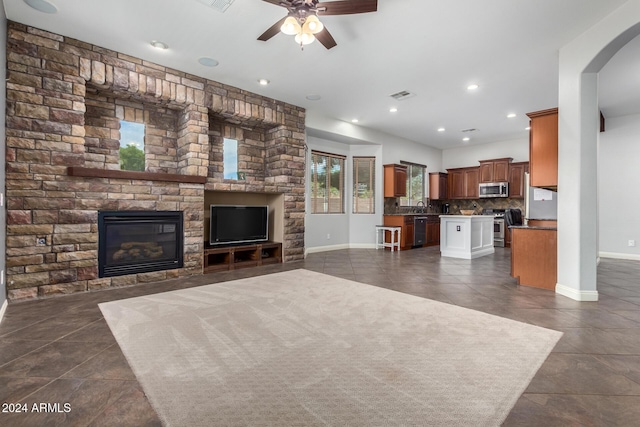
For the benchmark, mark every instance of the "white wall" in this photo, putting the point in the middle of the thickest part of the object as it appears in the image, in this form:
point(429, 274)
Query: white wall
point(578, 119)
point(466, 156)
point(619, 188)
point(336, 231)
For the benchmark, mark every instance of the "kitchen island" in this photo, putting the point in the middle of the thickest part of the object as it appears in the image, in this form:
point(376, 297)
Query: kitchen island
point(466, 236)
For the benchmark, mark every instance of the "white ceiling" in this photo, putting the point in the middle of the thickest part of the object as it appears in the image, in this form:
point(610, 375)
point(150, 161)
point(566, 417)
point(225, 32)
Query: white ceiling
point(432, 48)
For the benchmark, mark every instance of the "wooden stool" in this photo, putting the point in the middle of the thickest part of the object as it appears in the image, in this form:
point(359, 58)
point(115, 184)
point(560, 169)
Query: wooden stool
point(381, 241)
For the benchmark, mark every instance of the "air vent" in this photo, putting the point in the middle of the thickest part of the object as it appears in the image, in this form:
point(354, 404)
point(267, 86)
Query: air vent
point(469, 130)
point(219, 5)
point(402, 95)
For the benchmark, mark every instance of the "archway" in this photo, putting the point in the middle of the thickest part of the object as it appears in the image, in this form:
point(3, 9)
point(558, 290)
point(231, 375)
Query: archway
point(580, 61)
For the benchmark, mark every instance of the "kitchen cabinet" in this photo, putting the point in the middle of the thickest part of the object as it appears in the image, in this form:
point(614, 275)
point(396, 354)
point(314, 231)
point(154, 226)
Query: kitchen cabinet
point(437, 186)
point(433, 230)
point(463, 183)
point(471, 179)
point(516, 179)
point(552, 223)
point(543, 149)
point(496, 170)
point(456, 184)
point(534, 254)
point(395, 180)
point(405, 222)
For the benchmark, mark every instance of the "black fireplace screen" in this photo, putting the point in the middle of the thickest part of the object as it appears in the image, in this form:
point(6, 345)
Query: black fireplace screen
point(131, 242)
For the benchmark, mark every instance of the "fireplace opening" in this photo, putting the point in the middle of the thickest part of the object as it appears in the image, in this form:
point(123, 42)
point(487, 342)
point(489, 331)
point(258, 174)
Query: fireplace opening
point(131, 242)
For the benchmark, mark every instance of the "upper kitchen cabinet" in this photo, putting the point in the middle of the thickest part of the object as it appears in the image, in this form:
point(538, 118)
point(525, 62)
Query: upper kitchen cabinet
point(543, 149)
point(471, 178)
point(395, 180)
point(496, 170)
point(516, 179)
point(463, 183)
point(437, 186)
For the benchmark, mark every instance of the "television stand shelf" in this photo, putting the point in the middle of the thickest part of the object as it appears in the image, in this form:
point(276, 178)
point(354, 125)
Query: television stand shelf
point(222, 258)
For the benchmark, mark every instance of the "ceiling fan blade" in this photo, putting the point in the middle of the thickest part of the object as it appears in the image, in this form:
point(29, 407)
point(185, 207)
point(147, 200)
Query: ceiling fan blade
point(326, 38)
point(272, 31)
point(347, 7)
point(276, 2)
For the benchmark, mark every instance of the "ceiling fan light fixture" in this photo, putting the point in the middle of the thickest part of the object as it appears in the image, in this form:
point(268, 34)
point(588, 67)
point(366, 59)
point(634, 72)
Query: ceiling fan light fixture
point(312, 25)
point(291, 26)
point(304, 38)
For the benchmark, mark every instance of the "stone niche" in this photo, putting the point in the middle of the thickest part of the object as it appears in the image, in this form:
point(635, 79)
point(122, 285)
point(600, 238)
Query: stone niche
point(65, 101)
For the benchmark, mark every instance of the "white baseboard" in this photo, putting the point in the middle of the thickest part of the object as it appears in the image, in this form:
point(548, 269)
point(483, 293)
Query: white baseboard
point(618, 255)
point(3, 309)
point(362, 246)
point(576, 294)
point(325, 248)
point(339, 247)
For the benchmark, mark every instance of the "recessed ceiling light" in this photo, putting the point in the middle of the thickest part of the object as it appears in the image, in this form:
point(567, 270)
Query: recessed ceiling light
point(42, 6)
point(314, 97)
point(511, 115)
point(473, 87)
point(441, 129)
point(159, 45)
point(208, 62)
point(263, 82)
point(354, 120)
point(393, 110)
point(466, 138)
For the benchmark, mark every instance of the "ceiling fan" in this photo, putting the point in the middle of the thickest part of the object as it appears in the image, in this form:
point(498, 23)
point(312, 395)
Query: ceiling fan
point(302, 19)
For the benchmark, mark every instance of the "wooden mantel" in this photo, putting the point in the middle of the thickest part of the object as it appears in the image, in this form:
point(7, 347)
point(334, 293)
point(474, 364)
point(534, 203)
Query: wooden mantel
point(143, 176)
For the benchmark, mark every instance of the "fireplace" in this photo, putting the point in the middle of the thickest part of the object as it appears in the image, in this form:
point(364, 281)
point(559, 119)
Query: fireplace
point(131, 242)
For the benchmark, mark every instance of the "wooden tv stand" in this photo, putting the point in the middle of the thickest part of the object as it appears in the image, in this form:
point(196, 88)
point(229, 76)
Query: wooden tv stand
point(222, 258)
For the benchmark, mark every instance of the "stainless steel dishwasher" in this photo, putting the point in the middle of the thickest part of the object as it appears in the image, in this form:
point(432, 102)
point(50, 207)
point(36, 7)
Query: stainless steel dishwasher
point(419, 230)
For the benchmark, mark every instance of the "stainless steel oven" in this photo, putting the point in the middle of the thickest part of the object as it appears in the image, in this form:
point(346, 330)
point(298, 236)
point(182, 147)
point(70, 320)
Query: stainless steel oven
point(498, 231)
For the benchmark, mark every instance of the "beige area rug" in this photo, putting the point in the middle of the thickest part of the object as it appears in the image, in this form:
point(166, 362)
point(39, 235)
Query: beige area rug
point(301, 348)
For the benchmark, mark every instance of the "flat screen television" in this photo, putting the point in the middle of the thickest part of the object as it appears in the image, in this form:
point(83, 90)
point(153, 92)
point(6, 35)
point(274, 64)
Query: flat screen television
point(231, 224)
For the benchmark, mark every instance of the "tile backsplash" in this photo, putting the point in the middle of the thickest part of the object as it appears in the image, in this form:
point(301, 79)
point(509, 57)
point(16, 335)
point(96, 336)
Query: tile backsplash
point(392, 205)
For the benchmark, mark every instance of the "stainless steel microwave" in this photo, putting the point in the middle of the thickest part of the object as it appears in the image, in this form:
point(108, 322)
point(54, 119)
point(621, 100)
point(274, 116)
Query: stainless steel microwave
point(493, 189)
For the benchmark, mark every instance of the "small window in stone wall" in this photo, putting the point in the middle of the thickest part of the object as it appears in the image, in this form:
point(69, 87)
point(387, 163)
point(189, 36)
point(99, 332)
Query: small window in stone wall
point(230, 158)
point(131, 146)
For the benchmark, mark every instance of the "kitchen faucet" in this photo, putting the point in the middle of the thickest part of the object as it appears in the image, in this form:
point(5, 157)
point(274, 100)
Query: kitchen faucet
point(418, 204)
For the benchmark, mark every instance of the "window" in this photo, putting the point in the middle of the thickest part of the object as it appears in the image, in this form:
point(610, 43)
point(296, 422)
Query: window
point(364, 178)
point(415, 184)
point(131, 146)
point(327, 183)
point(230, 158)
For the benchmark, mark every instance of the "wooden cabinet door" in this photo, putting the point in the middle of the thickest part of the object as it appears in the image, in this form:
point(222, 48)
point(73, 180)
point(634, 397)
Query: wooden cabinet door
point(496, 170)
point(433, 232)
point(543, 149)
point(407, 236)
point(437, 186)
point(471, 178)
point(501, 170)
point(455, 184)
point(400, 186)
point(486, 172)
point(395, 180)
point(516, 179)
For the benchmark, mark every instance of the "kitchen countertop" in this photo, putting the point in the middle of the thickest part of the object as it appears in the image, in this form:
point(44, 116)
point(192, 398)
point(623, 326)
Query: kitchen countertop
point(413, 214)
point(529, 227)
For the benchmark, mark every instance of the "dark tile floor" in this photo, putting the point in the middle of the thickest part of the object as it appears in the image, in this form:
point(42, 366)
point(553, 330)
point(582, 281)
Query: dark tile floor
point(60, 350)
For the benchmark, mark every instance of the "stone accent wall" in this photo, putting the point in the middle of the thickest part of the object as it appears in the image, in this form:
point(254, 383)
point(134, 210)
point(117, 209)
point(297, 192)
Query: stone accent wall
point(65, 100)
point(102, 132)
